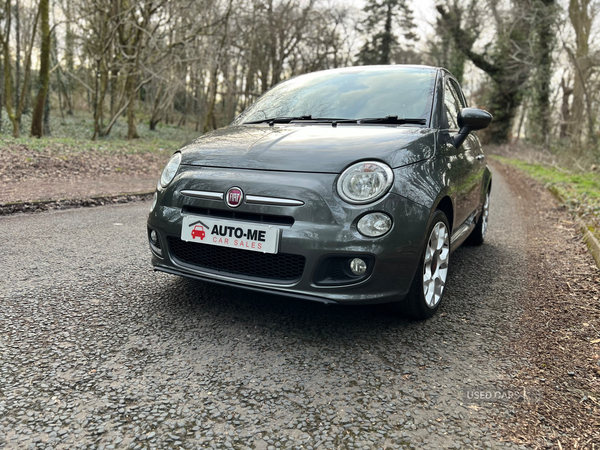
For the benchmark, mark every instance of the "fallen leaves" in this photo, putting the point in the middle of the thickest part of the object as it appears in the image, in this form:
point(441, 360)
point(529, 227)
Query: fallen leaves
point(561, 316)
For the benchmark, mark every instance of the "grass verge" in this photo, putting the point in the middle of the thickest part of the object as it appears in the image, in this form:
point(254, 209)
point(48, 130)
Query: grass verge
point(579, 191)
point(79, 145)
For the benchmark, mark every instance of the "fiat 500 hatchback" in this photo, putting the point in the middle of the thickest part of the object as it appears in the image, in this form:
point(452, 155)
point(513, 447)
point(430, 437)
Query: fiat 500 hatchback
point(347, 186)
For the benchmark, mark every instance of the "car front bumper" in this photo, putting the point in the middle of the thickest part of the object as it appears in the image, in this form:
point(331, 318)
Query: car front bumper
point(320, 231)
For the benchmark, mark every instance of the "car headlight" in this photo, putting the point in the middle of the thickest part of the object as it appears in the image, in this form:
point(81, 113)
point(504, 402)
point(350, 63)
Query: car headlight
point(365, 182)
point(154, 200)
point(170, 170)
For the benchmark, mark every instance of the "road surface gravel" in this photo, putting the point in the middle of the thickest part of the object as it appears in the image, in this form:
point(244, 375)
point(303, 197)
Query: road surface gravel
point(98, 351)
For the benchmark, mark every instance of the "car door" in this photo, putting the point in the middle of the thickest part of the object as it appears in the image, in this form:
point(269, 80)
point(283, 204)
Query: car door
point(474, 160)
point(459, 163)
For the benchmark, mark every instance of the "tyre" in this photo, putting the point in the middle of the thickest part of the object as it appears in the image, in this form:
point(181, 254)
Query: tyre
point(428, 286)
point(478, 234)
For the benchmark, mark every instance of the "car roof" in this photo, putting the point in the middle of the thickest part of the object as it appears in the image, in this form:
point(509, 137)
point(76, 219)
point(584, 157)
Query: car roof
point(378, 68)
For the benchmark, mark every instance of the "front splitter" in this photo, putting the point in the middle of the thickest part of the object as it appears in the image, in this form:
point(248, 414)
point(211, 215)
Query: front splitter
point(273, 291)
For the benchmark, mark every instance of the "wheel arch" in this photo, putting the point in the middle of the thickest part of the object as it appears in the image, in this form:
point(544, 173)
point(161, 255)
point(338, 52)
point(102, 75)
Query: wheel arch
point(446, 206)
point(487, 183)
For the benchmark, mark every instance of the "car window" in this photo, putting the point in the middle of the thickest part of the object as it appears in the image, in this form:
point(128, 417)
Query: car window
point(456, 88)
point(453, 105)
point(350, 94)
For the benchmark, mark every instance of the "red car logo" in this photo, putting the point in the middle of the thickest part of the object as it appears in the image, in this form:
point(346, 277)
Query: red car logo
point(198, 231)
point(234, 197)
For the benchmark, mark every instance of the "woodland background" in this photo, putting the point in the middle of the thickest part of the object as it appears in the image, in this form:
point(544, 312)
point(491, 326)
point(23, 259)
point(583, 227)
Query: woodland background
point(112, 69)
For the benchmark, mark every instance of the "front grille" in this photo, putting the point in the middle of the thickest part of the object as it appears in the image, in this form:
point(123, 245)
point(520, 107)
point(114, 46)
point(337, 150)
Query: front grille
point(286, 221)
point(280, 267)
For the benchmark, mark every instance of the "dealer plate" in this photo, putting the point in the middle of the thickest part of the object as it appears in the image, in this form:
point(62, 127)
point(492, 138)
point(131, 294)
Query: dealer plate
point(230, 233)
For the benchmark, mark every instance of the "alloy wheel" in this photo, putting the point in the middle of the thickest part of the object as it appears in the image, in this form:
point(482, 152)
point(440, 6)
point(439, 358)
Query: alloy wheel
point(435, 264)
point(485, 215)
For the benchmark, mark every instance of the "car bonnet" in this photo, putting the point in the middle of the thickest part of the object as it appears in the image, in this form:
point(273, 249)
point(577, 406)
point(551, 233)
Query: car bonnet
point(309, 148)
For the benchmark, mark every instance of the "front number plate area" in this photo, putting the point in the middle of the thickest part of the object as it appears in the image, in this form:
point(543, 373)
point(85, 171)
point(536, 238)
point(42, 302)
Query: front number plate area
point(230, 233)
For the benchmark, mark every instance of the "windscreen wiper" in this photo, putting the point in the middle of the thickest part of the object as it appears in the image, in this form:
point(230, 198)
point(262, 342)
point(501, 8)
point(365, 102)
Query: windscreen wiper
point(274, 120)
point(391, 120)
point(308, 118)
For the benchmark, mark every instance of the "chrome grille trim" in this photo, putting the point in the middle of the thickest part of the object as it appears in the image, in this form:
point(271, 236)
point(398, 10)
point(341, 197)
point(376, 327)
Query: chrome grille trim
point(203, 194)
point(256, 199)
point(252, 199)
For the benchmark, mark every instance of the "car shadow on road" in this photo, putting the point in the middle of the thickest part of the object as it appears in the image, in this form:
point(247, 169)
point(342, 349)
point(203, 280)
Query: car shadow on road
point(475, 291)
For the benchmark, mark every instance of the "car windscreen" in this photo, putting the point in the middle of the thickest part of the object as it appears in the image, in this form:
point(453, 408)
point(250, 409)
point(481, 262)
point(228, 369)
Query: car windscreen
point(348, 94)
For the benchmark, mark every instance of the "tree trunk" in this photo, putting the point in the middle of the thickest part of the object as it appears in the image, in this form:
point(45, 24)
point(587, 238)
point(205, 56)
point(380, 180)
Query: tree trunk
point(212, 98)
point(210, 120)
point(8, 85)
point(60, 103)
point(543, 46)
point(565, 111)
point(504, 104)
point(581, 21)
point(131, 92)
point(1, 94)
point(113, 90)
point(18, 54)
point(272, 45)
point(155, 117)
point(14, 113)
point(97, 130)
point(521, 120)
point(69, 57)
point(199, 97)
point(37, 129)
point(62, 89)
point(46, 122)
point(386, 39)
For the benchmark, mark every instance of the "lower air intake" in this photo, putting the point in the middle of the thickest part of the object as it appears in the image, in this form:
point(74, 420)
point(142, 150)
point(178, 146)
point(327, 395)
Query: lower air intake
point(275, 268)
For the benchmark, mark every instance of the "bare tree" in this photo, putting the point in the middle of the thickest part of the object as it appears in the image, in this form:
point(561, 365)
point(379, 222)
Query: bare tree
point(37, 129)
point(545, 19)
point(581, 15)
point(176, 61)
point(506, 59)
point(15, 111)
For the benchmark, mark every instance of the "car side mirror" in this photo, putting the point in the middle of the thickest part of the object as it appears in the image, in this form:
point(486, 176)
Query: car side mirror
point(470, 119)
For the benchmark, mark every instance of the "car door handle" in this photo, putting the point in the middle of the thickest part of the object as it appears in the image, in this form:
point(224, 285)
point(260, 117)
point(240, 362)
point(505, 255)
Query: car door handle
point(480, 156)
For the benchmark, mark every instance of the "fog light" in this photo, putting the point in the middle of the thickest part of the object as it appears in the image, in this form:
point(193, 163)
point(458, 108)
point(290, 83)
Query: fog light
point(374, 224)
point(154, 237)
point(358, 266)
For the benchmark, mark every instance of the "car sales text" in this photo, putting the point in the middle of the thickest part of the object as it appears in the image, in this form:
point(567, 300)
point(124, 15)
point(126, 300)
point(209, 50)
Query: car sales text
point(227, 232)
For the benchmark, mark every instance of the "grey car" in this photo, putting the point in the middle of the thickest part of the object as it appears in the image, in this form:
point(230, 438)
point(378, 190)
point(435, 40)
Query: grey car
point(347, 186)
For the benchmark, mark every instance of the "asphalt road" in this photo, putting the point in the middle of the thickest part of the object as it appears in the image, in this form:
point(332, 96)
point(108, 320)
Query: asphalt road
point(98, 351)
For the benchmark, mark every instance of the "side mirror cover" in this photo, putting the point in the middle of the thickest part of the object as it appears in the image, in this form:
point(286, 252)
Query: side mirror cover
point(470, 119)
